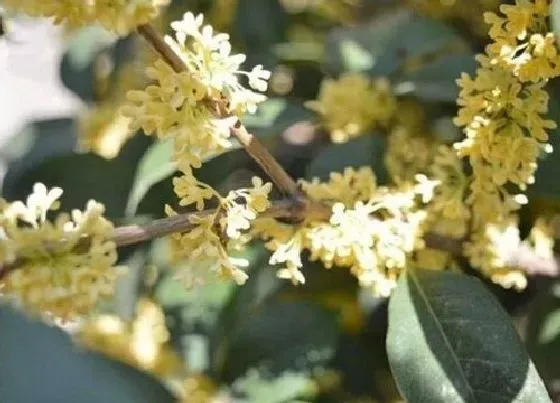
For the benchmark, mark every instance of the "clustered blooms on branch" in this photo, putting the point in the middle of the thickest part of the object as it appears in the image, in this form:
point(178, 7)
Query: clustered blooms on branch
point(372, 230)
point(501, 110)
point(140, 343)
point(185, 107)
point(67, 264)
point(368, 104)
point(121, 16)
point(59, 275)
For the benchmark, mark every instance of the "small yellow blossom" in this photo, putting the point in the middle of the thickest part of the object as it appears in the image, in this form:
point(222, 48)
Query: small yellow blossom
point(140, 343)
point(202, 254)
point(353, 104)
point(372, 230)
point(502, 109)
point(120, 16)
point(173, 107)
point(60, 275)
point(407, 154)
point(448, 214)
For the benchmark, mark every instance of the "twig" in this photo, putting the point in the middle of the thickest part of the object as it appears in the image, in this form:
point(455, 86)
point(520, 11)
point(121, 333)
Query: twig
point(252, 144)
point(523, 256)
point(132, 234)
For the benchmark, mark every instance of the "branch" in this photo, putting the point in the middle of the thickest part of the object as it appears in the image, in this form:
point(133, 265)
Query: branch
point(252, 144)
point(132, 234)
point(523, 256)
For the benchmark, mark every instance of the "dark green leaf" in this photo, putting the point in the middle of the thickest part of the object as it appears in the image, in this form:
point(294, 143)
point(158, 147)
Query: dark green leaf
point(543, 332)
point(274, 116)
point(261, 284)
point(41, 364)
point(366, 150)
point(546, 178)
point(555, 17)
point(155, 165)
point(281, 336)
point(436, 81)
point(449, 340)
point(82, 177)
point(381, 47)
point(77, 68)
point(36, 143)
point(260, 23)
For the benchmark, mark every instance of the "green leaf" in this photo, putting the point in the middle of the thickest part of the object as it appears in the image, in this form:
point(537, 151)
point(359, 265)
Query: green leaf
point(381, 47)
point(156, 164)
point(77, 68)
point(287, 387)
point(274, 116)
point(42, 364)
point(436, 81)
point(262, 283)
point(281, 336)
point(38, 142)
point(543, 331)
point(366, 150)
point(449, 340)
point(555, 17)
point(260, 23)
point(82, 177)
point(546, 178)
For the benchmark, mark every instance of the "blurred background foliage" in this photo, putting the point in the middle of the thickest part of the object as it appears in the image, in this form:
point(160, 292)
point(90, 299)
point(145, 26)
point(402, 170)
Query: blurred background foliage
point(266, 341)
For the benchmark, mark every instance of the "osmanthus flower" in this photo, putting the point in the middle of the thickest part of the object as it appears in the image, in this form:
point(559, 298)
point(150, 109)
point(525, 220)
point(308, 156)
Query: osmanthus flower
point(121, 16)
point(202, 254)
point(141, 343)
point(178, 105)
point(185, 107)
point(372, 229)
point(502, 112)
point(368, 104)
point(65, 266)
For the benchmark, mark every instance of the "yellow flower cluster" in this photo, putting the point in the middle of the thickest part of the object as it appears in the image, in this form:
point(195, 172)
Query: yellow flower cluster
point(203, 252)
point(455, 9)
point(182, 106)
point(102, 129)
point(372, 229)
point(140, 343)
point(353, 104)
point(492, 249)
point(502, 107)
point(64, 266)
point(501, 110)
point(121, 16)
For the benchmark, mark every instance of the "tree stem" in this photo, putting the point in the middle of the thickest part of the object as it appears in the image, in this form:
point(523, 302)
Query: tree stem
point(252, 145)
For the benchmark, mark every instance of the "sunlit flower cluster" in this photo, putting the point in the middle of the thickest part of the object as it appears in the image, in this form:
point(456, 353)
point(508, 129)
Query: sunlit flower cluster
point(188, 108)
point(180, 105)
point(502, 112)
point(102, 129)
point(64, 266)
point(372, 229)
point(203, 253)
point(141, 343)
point(353, 104)
point(502, 108)
point(120, 16)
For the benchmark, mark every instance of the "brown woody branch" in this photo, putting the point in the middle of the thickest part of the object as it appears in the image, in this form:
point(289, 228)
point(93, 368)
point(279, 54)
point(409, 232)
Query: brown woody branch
point(252, 145)
point(523, 257)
